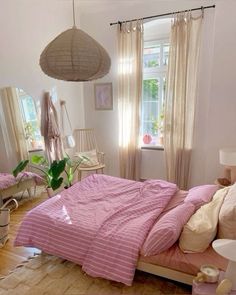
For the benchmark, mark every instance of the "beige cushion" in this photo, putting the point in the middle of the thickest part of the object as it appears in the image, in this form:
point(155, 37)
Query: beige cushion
point(201, 228)
point(91, 161)
point(227, 217)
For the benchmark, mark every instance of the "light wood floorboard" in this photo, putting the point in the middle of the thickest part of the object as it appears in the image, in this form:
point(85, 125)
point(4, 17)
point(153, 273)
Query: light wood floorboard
point(11, 256)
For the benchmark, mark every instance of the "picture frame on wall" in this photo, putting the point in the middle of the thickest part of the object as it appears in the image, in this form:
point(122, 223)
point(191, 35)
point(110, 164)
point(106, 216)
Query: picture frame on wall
point(103, 96)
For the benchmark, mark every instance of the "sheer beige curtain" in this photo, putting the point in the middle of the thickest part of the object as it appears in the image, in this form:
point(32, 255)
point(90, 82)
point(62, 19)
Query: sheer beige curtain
point(130, 47)
point(181, 96)
point(11, 108)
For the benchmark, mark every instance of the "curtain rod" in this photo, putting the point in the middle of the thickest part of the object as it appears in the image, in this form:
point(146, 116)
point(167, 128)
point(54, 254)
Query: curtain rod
point(164, 14)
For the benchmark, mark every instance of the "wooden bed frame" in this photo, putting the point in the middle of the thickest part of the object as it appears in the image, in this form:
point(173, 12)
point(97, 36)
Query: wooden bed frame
point(23, 185)
point(165, 272)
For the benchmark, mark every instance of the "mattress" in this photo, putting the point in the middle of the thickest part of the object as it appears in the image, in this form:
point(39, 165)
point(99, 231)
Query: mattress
point(190, 263)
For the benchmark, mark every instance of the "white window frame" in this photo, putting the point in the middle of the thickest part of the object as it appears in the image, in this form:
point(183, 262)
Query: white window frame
point(21, 94)
point(155, 73)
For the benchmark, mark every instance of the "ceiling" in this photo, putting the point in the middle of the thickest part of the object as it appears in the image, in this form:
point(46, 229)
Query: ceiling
point(93, 6)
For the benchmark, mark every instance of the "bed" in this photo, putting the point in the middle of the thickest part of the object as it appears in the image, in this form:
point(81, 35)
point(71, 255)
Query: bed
point(102, 222)
point(9, 185)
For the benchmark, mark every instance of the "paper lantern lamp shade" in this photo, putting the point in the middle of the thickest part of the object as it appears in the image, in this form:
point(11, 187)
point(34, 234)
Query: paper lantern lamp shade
point(75, 56)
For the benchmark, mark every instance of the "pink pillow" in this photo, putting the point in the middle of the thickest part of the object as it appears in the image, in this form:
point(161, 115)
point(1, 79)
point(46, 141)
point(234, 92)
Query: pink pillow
point(176, 200)
point(200, 195)
point(167, 230)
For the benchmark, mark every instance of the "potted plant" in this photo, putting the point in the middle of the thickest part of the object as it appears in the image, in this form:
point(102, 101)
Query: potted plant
point(52, 172)
point(71, 167)
point(158, 127)
point(30, 134)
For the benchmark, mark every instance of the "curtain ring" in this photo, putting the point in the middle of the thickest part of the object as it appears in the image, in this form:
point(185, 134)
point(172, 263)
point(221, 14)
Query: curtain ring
point(141, 24)
point(189, 15)
point(119, 23)
point(202, 9)
point(129, 27)
point(125, 27)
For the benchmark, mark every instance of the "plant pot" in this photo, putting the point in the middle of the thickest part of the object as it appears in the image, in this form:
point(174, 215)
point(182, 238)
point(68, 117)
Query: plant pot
point(50, 192)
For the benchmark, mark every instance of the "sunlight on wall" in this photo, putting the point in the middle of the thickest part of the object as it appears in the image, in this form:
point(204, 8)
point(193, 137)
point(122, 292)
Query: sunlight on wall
point(125, 66)
point(124, 124)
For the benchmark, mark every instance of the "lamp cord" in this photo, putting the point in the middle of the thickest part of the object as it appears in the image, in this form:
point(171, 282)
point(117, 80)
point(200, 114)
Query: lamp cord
point(74, 13)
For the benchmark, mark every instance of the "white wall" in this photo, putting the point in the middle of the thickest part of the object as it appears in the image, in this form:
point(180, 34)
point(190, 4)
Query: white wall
point(221, 124)
point(26, 27)
point(205, 166)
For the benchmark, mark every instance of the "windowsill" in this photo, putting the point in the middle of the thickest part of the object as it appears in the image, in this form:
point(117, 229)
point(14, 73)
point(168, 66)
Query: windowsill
point(152, 147)
point(35, 150)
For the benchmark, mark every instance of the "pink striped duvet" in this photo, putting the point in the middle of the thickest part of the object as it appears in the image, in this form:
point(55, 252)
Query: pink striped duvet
point(100, 223)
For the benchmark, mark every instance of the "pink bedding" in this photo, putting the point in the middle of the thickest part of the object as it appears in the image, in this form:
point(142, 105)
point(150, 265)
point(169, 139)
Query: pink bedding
point(167, 229)
point(100, 223)
point(190, 263)
point(7, 180)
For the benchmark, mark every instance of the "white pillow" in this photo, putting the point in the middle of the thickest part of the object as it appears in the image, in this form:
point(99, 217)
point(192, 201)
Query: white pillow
point(227, 217)
point(201, 228)
point(91, 161)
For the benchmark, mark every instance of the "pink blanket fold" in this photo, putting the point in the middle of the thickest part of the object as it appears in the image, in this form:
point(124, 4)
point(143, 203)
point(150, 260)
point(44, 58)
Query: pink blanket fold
point(100, 223)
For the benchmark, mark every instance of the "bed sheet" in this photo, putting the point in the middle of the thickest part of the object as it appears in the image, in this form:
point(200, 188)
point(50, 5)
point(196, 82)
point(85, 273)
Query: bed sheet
point(190, 263)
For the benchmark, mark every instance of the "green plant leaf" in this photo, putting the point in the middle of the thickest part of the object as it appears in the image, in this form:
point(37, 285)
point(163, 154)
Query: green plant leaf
point(20, 167)
point(57, 167)
point(38, 159)
point(70, 176)
point(56, 183)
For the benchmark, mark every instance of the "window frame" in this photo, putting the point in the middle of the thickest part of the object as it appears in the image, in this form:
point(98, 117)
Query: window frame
point(21, 95)
point(159, 73)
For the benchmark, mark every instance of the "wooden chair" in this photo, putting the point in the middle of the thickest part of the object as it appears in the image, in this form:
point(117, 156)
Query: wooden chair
point(85, 142)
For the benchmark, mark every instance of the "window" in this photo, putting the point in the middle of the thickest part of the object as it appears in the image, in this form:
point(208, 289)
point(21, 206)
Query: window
point(155, 61)
point(30, 120)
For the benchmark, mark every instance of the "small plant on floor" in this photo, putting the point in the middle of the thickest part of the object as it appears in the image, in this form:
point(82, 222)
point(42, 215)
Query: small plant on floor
point(52, 172)
point(71, 167)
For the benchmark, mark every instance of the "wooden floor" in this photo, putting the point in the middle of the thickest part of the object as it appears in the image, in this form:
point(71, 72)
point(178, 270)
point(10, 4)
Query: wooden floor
point(11, 256)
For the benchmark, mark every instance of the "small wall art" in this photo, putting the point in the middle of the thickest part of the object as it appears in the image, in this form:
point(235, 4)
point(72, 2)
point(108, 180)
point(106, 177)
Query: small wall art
point(103, 96)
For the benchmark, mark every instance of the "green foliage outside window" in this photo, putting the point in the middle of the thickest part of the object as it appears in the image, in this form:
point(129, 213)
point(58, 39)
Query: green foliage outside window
point(30, 130)
point(152, 63)
point(150, 89)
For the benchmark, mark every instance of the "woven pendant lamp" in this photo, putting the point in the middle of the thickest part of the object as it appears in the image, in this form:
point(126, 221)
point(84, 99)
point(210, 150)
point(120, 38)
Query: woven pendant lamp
point(75, 56)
